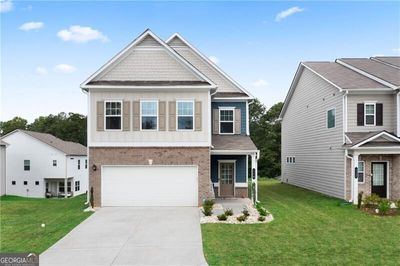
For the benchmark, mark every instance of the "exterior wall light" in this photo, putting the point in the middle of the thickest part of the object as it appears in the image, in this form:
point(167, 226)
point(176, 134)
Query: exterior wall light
point(94, 167)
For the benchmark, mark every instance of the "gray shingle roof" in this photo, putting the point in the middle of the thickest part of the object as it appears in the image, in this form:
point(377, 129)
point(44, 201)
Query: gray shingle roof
point(68, 147)
point(392, 60)
point(233, 142)
point(3, 143)
point(375, 68)
point(342, 76)
point(230, 94)
point(147, 83)
point(358, 137)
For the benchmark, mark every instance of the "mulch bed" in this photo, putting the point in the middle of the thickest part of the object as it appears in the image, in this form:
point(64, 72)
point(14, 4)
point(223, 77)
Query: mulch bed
point(372, 211)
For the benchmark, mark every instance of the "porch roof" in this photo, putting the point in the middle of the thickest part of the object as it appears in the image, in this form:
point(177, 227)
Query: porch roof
point(375, 139)
point(233, 143)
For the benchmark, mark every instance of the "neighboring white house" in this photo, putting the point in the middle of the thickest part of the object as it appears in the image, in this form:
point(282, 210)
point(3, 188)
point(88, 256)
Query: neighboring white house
point(3, 146)
point(40, 164)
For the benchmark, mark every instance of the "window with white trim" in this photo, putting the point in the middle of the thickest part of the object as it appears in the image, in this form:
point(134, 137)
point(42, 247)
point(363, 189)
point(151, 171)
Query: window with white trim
point(77, 185)
point(27, 165)
point(185, 115)
point(79, 164)
point(370, 114)
point(54, 162)
point(85, 164)
point(290, 160)
point(360, 172)
point(226, 121)
point(331, 118)
point(113, 115)
point(149, 115)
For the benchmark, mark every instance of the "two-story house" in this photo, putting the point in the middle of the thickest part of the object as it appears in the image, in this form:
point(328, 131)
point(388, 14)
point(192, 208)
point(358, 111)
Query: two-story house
point(341, 128)
point(166, 127)
point(41, 165)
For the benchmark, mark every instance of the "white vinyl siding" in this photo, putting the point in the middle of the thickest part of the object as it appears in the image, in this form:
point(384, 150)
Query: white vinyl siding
point(389, 112)
point(319, 163)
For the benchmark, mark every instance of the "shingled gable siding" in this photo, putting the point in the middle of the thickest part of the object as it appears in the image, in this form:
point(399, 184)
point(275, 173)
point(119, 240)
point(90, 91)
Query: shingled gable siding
point(389, 112)
point(318, 150)
point(240, 167)
point(238, 105)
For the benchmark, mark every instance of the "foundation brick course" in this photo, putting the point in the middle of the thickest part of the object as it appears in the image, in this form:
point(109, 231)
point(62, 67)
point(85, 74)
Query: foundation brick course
point(199, 156)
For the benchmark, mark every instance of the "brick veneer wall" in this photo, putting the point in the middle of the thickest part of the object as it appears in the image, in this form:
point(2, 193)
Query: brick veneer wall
point(140, 156)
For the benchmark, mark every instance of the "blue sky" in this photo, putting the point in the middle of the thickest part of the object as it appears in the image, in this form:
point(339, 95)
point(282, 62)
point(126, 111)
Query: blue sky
point(44, 58)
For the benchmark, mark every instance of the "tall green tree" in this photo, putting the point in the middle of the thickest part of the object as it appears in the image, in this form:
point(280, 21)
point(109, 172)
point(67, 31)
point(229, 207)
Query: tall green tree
point(13, 124)
point(265, 132)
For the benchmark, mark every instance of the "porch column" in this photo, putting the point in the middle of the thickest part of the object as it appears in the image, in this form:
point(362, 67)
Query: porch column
point(355, 178)
point(65, 187)
point(254, 174)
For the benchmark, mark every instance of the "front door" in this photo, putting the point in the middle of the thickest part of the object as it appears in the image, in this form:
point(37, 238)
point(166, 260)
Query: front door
point(379, 179)
point(226, 179)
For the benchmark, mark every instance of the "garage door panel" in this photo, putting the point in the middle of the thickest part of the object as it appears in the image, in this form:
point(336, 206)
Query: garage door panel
point(149, 186)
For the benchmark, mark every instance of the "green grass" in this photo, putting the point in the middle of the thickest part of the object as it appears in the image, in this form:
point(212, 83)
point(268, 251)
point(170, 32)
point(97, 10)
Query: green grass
point(308, 229)
point(21, 219)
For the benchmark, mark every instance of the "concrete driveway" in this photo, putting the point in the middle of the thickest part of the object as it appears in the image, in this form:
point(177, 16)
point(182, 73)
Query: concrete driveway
point(132, 236)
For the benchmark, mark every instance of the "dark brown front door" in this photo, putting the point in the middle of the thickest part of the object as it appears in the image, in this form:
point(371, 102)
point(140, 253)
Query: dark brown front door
point(226, 179)
point(379, 179)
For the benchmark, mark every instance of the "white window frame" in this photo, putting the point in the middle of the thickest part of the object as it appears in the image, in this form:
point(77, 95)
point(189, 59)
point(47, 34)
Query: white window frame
point(29, 164)
point(327, 118)
point(233, 121)
point(120, 115)
point(177, 115)
point(157, 115)
point(358, 171)
point(365, 114)
point(54, 162)
point(77, 185)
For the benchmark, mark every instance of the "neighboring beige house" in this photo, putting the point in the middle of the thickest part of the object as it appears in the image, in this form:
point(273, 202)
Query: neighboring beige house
point(3, 147)
point(341, 128)
point(166, 127)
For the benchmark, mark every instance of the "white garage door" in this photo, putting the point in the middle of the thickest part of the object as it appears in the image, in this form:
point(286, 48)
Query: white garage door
point(149, 186)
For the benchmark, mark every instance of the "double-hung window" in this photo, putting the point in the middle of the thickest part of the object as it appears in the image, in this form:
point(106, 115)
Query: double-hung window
point(185, 115)
point(27, 165)
point(370, 114)
point(149, 115)
point(113, 115)
point(331, 118)
point(77, 185)
point(360, 172)
point(226, 120)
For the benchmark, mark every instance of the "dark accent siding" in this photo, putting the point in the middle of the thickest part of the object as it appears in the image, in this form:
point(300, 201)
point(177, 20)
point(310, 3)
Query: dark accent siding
point(240, 167)
point(360, 114)
point(241, 106)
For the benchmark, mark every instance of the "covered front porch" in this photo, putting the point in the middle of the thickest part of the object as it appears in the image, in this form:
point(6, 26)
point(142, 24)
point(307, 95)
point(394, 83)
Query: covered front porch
point(373, 166)
point(234, 167)
point(55, 187)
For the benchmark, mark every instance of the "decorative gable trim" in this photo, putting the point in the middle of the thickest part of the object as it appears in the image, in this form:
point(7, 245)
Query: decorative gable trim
point(383, 134)
point(208, 61)
point(137, 41)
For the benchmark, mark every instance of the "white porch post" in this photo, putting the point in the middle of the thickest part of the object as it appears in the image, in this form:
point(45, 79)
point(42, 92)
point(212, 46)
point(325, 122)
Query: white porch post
point(254, 159)
point(355, 178)
point(65, 187)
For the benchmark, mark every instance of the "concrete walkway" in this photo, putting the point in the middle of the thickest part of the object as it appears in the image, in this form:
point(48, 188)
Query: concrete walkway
point(132, 236)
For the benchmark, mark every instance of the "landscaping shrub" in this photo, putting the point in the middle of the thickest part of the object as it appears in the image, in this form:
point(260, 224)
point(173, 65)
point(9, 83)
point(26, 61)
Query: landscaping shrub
point(222, 217)
point(208, 202)
point(261, 218)
point(242, 218)
point(207, 210)
point(383, 206)
point(360, 195)
point(246, 212)
point(398, 204)
point(371, 201)
point(228, 212)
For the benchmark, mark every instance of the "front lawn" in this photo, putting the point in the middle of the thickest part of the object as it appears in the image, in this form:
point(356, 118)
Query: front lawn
point(21, 219)
point(309, 229)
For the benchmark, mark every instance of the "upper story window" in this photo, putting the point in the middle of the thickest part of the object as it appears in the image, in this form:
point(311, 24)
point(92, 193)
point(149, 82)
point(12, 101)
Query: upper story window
point(149, 115)
point(54, 162)
point(79, 164)
point(113, 115)
point(27, 165)
point(361, 172)
point(226, 121)
point(86, 164)
point(331, 118)
point(370, 114)
point(185, 115)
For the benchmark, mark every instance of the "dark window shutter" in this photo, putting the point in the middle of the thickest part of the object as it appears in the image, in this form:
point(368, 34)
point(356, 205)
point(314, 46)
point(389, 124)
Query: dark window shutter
point(360, 114)
point(379, 114)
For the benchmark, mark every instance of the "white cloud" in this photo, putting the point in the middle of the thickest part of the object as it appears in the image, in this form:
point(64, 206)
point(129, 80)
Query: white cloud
point(81, 34)
point(260, 83)
point(288, 12)
point(5, 6)
point(64, 68)
point(214, 59)
point(33, 25)
point(41, 70)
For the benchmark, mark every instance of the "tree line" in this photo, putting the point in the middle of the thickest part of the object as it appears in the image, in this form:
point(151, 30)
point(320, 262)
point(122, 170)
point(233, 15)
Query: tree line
point(264, 129)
